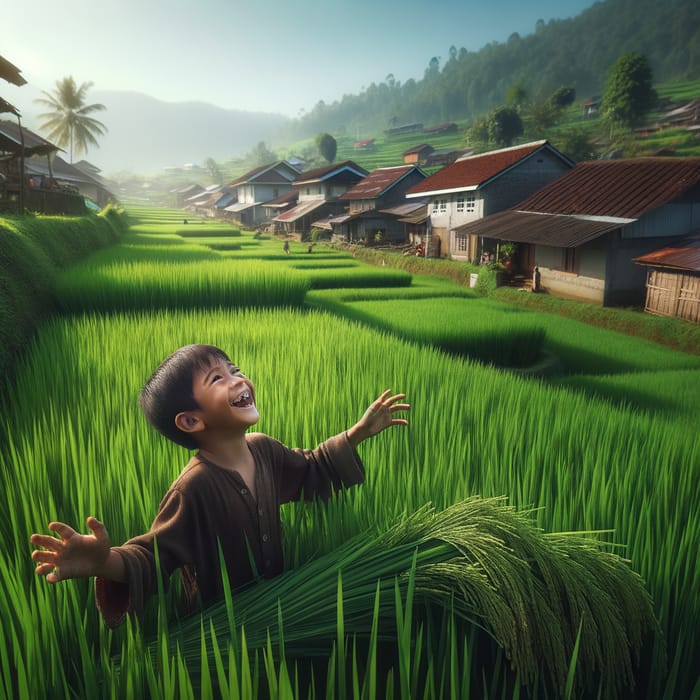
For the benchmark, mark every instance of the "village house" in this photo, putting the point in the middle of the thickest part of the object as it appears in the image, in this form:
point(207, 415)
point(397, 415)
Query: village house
point(475, 186)
point(181, 194)
point(33, 178)
point(417, 154)
point(318, 195)
point(366, 219)
point(584, 230)
point(673, 279)
point(277, 206)
point(258, 186)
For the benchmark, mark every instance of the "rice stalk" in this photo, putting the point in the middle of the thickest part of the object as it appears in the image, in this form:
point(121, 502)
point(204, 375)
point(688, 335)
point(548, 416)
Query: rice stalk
point(481, 558)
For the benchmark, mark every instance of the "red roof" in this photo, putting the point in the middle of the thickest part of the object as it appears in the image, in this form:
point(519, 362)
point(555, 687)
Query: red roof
point(682, 255)
point(626, 188)
point(475, 171)
point(377, 182)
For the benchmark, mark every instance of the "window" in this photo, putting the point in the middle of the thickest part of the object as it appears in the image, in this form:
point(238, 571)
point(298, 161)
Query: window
point(461, 243)
point(466, 203)
point(570, 259)
point(439, 206)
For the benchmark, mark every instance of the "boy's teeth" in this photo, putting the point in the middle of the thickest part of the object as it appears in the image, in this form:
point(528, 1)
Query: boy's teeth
point(243, 399)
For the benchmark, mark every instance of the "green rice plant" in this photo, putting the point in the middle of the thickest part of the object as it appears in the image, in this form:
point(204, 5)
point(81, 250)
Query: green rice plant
point(147, 285)
point(72, 443)
point(364, 276)
point(532, 592)
point(455, 325)
point(209, 231)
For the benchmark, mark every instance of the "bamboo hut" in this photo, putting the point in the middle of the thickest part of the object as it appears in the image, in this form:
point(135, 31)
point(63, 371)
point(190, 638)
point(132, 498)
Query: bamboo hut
point(673, 279)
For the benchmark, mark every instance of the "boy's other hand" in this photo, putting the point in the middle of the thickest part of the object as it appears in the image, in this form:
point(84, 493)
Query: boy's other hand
point(378, 417)
point(71, 555)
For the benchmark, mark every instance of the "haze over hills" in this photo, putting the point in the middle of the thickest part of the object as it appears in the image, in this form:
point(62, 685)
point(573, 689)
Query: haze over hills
point(146, 134)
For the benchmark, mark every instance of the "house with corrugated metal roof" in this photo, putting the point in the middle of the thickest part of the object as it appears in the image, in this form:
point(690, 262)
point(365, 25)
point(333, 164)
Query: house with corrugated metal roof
point(584, 230)
point(257, 187)
point(475, 186)
point(673, 279)
point(366, 219)
point(318, 195)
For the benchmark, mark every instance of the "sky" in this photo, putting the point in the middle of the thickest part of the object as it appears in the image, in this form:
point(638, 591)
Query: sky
point(280, 56)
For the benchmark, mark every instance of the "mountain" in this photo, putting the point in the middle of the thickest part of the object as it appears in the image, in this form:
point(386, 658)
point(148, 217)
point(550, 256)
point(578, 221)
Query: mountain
point(145, 134)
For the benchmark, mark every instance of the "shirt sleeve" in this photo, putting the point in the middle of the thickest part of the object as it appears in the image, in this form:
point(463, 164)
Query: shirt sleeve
point(318, 473)
point(170, 532)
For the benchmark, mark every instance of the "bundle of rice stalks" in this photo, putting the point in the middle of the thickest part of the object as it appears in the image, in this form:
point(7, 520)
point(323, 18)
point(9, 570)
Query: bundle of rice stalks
point(546, 599)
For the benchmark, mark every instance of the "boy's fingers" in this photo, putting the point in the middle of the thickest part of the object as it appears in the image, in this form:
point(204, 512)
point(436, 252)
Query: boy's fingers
point(46, 541)
point(65, 531)
point(98, 530)
point(44, 557)
point(44, 569)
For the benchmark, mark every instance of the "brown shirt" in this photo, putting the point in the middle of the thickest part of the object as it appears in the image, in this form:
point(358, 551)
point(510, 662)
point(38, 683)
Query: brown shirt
point(208, 506)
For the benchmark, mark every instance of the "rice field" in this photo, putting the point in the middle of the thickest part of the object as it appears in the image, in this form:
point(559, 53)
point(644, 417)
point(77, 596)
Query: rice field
point(607, 444)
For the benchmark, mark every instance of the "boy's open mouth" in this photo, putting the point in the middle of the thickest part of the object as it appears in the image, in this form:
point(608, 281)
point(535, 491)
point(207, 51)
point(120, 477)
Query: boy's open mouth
point(244, 400)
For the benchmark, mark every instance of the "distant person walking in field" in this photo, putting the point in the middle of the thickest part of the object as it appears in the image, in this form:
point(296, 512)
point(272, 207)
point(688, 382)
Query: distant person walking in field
point(224, 506)
point(286, 247)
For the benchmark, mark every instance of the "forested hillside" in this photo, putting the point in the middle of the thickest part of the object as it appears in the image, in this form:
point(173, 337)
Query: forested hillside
point(577, 52)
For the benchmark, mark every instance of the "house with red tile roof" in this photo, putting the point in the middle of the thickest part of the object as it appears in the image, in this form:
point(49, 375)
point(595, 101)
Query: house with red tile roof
point(475, 186)
point(256, 187)
point(584, 230)
point(318, 195)
point(366, 218)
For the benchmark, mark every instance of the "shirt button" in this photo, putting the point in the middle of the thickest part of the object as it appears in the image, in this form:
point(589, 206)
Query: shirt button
point(244, 492)
point(265, 538)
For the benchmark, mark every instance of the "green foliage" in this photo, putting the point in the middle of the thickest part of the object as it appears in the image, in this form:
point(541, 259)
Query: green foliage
point(576, 144)
point(629, 94)
point(33, 250)
point(576, 51)
point(504, 126)
point(327, 146)
point(261, 154)
point(563, 97)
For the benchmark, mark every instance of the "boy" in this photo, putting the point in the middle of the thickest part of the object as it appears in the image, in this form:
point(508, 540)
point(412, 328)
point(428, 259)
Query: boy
point(227, 496)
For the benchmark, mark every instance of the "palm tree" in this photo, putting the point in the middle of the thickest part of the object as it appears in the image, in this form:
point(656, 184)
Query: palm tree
point(69, 122)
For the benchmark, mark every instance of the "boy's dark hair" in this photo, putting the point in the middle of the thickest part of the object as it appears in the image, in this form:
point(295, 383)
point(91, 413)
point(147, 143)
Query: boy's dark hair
point(169, 389)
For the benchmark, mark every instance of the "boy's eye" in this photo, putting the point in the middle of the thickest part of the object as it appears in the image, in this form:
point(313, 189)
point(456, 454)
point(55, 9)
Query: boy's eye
point(235, 370)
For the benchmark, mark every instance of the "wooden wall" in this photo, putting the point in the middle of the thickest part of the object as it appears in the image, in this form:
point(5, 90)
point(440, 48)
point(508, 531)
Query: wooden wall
point(673, 294)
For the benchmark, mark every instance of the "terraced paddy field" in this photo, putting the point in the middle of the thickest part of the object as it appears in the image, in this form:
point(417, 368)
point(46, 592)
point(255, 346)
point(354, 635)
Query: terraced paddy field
point(447, 574)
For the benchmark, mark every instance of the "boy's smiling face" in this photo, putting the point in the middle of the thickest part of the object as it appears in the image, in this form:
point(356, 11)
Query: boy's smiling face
point(226, 400)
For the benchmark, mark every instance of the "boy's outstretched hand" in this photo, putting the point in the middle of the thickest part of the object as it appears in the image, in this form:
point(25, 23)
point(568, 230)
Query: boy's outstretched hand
point(378, 417)
point(71, 555)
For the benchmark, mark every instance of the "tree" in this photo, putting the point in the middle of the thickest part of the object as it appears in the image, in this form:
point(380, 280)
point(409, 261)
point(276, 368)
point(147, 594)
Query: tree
point(262, 155)
point(327, 146)
point(628, 94)
point(212, 168)
point(516, 95)
point(504, 126)
point(69, 122)
point(576, 143)
point(564, 96)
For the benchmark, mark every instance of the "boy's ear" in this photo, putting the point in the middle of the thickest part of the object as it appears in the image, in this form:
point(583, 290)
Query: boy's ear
point(189, 422)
